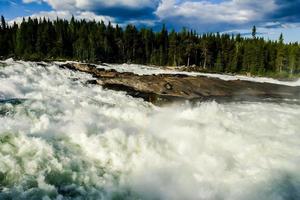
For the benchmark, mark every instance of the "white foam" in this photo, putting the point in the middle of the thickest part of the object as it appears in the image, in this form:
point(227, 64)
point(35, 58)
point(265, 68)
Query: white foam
point(70, 140)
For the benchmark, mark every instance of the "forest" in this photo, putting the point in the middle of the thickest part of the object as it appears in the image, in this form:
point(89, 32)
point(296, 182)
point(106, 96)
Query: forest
point(91, 41)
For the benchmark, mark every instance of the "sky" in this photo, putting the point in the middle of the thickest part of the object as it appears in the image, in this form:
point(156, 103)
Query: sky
point(271, 17)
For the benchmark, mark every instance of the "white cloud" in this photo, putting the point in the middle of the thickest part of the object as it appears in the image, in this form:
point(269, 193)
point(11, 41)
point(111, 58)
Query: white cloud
point(201, 15)
point(33, 1)
point(90, 4)
point(206, 12)
point(52, 15)
point(139, 22)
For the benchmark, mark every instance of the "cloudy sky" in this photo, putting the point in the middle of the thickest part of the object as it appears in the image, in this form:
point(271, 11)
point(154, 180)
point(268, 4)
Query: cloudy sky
point(272, 17)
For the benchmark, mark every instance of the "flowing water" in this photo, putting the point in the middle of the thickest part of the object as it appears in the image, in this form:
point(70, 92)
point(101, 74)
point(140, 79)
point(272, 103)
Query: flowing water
point(63, 139)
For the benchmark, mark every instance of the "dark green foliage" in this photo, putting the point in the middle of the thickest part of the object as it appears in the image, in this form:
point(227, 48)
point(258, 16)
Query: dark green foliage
point(254, 32)
point(94, 41)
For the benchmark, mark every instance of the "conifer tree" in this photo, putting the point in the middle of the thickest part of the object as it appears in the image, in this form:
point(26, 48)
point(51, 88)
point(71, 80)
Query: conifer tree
point(254, 32)
point(91, 41)
point(280, 55)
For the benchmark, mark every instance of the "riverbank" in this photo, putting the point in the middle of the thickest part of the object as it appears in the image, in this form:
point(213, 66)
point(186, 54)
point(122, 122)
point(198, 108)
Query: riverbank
point(284, 76)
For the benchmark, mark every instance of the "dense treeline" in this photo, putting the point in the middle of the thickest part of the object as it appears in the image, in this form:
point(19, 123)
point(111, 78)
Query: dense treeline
point(94, 41)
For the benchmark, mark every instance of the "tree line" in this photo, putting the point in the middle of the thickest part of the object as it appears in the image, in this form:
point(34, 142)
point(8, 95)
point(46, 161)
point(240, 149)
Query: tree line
point(91, 41)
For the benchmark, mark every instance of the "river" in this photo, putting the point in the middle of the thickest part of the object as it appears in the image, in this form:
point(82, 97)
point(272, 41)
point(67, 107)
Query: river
point(63, 139)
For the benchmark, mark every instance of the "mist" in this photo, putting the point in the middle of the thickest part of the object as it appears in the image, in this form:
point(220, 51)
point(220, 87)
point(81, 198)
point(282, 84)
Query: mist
point(65, 139)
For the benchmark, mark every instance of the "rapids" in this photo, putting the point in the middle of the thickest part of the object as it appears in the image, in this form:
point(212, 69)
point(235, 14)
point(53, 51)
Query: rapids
point(63, 139)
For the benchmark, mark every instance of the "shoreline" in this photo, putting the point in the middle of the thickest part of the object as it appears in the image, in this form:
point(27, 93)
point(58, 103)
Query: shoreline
point(183, 68)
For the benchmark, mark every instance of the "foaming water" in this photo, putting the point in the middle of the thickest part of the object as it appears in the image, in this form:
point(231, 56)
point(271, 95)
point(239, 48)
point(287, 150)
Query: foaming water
point(68, 140)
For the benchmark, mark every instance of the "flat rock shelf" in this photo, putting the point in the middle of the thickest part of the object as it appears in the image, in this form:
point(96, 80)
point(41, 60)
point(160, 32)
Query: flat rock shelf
point(167, 88)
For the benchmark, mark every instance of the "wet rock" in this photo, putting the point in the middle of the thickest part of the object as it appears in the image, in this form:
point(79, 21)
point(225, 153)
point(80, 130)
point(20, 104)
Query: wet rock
point(168, 86)
point(91, 82)
point(12, 101)
point(174, 87)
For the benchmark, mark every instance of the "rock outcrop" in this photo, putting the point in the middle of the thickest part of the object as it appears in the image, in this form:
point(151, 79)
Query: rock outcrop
point(169, 87)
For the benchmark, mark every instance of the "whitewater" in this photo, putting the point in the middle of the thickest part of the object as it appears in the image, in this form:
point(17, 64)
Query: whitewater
point(61, 138)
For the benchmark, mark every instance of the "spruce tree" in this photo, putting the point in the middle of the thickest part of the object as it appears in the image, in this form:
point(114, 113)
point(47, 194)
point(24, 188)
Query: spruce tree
point(280, 55)
point(39, 39)
point(219, 64)
point(254, 32)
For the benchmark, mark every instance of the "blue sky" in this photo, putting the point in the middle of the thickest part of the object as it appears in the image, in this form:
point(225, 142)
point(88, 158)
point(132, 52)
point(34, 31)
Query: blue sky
point(272, 17)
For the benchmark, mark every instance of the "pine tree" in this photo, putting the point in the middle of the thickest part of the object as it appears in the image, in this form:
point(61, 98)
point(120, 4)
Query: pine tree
point(254, 32)
point(292, 59)
point(219, 64)
point(3, 37)
point(173, 49)
point(39, 39)
point(163, 46)
point(280, 55)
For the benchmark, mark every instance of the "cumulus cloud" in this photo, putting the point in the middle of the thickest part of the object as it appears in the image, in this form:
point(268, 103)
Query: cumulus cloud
point(214, 15)
point(52, 15)
point(118, 8)
point(202, 15)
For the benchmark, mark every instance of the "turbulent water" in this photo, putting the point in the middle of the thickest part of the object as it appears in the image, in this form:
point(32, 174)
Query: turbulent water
point(63, 139)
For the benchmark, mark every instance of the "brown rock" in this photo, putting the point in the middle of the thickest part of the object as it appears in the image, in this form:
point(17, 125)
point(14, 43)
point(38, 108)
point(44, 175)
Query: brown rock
point(169, 87)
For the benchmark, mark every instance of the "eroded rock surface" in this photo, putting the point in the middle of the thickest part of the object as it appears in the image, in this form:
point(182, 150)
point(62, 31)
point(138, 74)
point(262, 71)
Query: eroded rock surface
point(170, 87)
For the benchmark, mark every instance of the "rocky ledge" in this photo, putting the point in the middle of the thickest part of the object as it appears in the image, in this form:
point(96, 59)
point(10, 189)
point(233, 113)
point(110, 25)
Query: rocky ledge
point(169, 87)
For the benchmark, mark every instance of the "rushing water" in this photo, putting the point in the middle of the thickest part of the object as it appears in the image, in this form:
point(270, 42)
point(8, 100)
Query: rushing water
point(63, 139)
